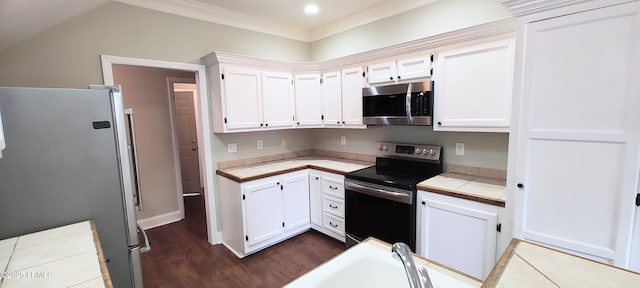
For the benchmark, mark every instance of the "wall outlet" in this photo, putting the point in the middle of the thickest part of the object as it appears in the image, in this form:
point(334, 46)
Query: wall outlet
point(259, 144)
point(284, 141)
point(232, 147)
point(343, 140)
point(460, 149)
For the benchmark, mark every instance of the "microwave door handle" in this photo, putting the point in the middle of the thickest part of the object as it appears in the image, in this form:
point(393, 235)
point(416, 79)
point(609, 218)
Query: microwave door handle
point(408, 103)
point(134, 156)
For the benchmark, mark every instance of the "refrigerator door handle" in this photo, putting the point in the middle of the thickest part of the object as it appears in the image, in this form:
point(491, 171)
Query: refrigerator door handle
point(134, 155)
point(147, 247)
point(3, 144)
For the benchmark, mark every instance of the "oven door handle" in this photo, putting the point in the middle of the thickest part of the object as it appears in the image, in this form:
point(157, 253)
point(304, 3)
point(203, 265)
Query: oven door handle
point(377, 192)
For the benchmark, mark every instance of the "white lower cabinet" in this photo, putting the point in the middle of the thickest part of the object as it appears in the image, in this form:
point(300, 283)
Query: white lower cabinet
point(327, 203)
point(459, 233)
point(259, 213)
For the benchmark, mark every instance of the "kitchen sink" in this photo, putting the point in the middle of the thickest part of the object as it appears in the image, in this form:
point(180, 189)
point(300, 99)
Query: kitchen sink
point(371, 264)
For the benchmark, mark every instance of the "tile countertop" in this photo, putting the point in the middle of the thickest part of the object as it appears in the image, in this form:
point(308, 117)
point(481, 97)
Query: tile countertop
point(262, 170)
point(525, 264)
point(480, 189)
point(67, 256)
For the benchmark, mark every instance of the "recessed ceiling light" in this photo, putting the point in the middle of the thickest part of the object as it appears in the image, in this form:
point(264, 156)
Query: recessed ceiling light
point(311, 9)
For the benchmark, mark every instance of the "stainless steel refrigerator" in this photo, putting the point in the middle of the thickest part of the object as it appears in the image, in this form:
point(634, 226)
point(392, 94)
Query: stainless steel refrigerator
point(68, 155)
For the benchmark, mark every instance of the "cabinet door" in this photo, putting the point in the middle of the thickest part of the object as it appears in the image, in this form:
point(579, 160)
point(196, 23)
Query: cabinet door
point(414, 68)
point(262, 210)
point(242, 98)
point(382, 72)
point(296, 200)
point(474, 88)
point(352, 84)
point(456, 234)
point(332, 98)
point(307, 95)
point(577, 142)
point(315, 199)
point(277, 99)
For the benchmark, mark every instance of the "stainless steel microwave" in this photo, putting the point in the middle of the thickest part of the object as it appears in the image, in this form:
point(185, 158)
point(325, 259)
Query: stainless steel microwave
point(401, 104)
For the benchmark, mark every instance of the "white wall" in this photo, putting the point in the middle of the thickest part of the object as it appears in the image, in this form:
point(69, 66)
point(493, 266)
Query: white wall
point(435, 18)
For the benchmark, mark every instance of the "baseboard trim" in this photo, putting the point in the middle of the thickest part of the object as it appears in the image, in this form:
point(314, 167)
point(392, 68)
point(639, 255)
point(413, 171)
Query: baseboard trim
point(159, 220)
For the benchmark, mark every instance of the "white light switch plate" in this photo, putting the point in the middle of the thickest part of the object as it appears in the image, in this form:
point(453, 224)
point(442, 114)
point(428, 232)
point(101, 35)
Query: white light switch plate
point(232, 147)
point(259, 144)
point(284, 141)
point(343, 140)
point(460, 149)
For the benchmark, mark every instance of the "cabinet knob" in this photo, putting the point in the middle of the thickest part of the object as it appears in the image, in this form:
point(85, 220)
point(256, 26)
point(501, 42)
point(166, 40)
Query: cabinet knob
point(266, 124)
point(342, 122)
point(520, 185)
point(390, 78)
point(298, 123)
point(439, 123)
point(338, 122)
point(424, 203)
point(399, 77)
point(261, 124)
point(317, 178)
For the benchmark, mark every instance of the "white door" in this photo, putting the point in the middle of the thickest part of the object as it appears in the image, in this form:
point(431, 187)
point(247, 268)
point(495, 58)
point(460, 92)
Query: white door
point(332, 98)
point(382, 72)
point(307, 95)
point(296, 201)
point(263, 211)
point(242, 97)
point(315, 199)
point(352, 84)
point(579, 133)
point(277, 99)
point(414, 68)
point(187, 142)
point(457, 234)
point(474, 87)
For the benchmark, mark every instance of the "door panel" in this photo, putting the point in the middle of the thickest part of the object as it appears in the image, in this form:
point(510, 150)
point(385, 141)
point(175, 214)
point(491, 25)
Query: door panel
point(263, 211)
point(277, 99)
point(187, 142)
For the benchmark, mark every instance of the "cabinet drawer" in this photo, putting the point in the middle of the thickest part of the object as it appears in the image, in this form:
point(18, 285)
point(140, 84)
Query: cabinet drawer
point(333, 187)
point(333, 223)
point(333, 205)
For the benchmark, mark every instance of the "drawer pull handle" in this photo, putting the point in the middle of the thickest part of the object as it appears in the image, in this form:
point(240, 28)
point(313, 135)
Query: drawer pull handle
point(334, 188)
point(334, 207)
point(333, 225)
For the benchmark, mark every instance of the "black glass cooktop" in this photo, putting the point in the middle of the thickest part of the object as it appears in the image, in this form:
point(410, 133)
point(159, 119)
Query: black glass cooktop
point(397, 172)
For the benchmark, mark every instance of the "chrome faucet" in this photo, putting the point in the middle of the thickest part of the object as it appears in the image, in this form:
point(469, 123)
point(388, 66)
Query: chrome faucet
point(414, 274)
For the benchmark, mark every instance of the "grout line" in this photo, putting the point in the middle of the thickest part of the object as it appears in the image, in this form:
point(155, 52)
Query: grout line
point(534, 267)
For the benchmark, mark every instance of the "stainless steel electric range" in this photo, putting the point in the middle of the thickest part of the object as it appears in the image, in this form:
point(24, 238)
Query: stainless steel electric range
point(380, 200)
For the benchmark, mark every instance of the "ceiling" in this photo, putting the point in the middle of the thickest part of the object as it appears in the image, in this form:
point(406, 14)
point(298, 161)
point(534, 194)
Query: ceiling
point(20, 19)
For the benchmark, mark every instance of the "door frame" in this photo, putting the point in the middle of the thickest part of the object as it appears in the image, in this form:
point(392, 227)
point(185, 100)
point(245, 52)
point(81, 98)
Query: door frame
point(204, 139)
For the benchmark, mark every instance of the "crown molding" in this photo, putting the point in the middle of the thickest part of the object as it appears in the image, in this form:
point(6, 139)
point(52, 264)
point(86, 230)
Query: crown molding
point(496, 28)
point(213, 14)
point(526, 7)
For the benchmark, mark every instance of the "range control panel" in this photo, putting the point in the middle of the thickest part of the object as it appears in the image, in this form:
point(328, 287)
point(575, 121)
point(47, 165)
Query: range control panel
point(416, 151)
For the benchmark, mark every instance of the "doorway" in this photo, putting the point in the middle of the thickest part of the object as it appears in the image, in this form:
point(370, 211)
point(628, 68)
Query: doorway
point(203, 141)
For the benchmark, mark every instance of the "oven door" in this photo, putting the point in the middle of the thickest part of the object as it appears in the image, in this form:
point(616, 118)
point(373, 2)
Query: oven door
point(379, 211)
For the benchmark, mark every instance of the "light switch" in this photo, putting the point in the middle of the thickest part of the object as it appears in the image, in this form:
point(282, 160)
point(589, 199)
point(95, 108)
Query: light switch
point(232, 147)
point(259, 144)
point(460, 149)
point(343, 140)
point(284, 141)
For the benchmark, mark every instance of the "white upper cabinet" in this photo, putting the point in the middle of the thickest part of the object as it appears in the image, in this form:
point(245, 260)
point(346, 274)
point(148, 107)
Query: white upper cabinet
point(242, 98)
point(308, 105)
point(332, 98)
point(352, 84)
point(342, 98)
point(245, 99)
point(575, 145)
point(277, 99)
point(473, 88)
point(402, 69)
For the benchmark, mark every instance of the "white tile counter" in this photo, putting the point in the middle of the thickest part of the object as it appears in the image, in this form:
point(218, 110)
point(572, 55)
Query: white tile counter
point(67, 256)
point(262, 170)
point(525, 264)
point(481, 189)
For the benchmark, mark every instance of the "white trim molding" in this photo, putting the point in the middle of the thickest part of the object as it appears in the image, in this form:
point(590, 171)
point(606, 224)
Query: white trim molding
point(204, 139)
point(159, 220)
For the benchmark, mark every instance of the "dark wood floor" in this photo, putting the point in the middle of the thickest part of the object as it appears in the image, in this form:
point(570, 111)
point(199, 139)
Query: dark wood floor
point(182, 257)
